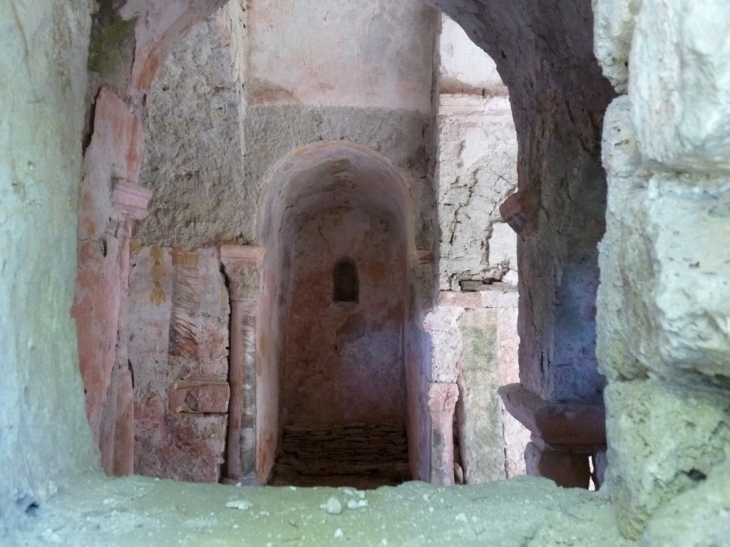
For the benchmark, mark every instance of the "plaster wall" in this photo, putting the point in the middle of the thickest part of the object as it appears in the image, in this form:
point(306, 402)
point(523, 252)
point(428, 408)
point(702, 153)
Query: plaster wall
point(178, 318)
point(45, 438)
point(473, 343)
point(207, 181)
point(477, 171)
point(308, 52)
point(476, 164)
point(343, 361)
point(464, 67)
point(381, 102)
point(129, 41)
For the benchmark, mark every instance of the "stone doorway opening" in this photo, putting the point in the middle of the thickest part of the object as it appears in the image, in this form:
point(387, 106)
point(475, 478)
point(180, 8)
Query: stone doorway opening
point(333, 400)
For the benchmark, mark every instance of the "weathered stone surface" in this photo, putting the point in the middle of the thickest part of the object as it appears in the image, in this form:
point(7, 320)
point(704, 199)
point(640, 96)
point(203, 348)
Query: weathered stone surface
point(520, 211)
point(517, 512)
point(555, 423)
point(558, 96)
point(619, 148)
point(567, 470)
point(311, 181)
point(358, 60)
point(600, 467)
point(349, 454)
point(476, 346)
point(199, 397)
point(689, 221)
point(500, 296)
point(194, 155)
point(112, 157)
point(446, 342)
point(697, 518)
point(480, 429)
point(131, 199)
point(442, 399)
point(651, 321)
point(459, 299)
point(242, 267)
point(502, 246)
point(477, 170)
point(160, 24)
point(614, 30)
point(679, 84)
point(626, 263)
point(664, 439)
point(401, 136)
point(178, 332)
point(42, 84)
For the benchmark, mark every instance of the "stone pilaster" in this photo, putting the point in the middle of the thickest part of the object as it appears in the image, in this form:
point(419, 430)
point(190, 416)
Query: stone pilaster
point(241, 265)
point(117, 435)
point(441, 404)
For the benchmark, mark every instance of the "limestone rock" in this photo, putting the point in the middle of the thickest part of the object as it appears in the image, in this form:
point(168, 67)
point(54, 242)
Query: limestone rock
point(698, 518)
point(45, 435)
point(664, 294)
point(663, 440)
point(464, 67)
point(241, 505)
point(332, 506)
point(619, 148)
point(614, 28)
point(690, 219)
point(502, 248)
point(679, 84)
point(625, 262)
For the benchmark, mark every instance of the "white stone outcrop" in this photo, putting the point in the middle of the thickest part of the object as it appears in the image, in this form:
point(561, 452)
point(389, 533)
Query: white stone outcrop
point(614, 28)
point(679, 80)
point(663, 314)
point(664, 439)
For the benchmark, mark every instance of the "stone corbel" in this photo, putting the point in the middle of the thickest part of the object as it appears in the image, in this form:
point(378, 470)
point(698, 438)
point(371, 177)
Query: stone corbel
point(564, 435)
point(520, 211)
point(442, 399)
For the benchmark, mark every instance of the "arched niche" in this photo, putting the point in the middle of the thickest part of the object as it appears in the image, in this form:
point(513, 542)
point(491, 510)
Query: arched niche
point(323, 362)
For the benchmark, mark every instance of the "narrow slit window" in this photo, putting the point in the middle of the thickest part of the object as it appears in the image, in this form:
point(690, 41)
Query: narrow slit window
point(345, 281)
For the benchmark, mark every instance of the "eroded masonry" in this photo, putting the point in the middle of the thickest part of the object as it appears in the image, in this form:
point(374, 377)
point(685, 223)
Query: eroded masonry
point(317, 243)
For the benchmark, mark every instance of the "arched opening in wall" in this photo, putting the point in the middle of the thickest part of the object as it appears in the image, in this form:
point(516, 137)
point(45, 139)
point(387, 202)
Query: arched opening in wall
point(332, 390)
point(463, 202)
point(550, 383)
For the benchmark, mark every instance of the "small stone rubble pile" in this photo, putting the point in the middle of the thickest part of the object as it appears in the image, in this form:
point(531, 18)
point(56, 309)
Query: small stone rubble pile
point(327, 454)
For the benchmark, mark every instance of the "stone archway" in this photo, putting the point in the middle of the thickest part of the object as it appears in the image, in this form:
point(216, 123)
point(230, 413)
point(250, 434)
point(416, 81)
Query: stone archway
point(334, 369)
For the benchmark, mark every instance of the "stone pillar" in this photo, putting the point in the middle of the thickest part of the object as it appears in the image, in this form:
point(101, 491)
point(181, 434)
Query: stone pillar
point(117, 435)
point(241, 265)
point(441, 403)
